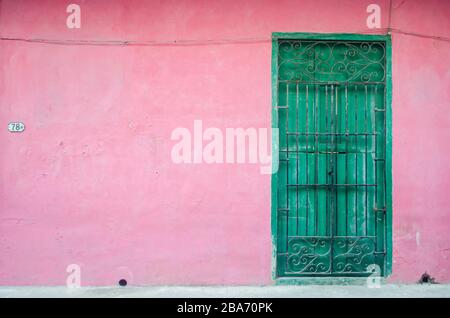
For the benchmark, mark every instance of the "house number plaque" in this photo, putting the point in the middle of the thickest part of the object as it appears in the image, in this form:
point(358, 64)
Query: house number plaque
point(16, 127)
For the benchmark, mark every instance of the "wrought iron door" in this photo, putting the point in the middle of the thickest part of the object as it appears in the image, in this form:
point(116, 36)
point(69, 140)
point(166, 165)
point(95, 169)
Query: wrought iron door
point(331, 182)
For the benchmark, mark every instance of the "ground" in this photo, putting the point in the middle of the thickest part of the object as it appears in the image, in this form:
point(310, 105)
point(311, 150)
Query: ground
point(388, 290)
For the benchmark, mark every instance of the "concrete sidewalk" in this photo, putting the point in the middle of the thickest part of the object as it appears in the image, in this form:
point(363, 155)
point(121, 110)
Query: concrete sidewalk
point(388, 290)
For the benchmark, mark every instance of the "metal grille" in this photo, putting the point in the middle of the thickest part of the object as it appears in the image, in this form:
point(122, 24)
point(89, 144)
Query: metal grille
point(332, 176)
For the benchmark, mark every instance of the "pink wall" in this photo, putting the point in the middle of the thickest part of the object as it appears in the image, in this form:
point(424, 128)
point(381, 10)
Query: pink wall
point(90, 181)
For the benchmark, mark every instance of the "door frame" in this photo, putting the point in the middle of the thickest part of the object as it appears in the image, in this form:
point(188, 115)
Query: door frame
point(274, 182)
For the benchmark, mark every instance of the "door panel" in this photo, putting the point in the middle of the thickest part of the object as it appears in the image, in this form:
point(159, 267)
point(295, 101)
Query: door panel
point(331, 189)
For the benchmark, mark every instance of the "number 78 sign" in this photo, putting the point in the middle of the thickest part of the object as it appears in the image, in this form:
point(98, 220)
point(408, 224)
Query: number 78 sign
point(16, 127)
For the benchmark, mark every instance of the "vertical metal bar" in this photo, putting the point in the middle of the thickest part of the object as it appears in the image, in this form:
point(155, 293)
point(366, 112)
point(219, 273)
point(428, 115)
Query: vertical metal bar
point(366, 128)
point(336, 156)
point(346, 168)
point(332, 194)
point(385, 177)
point(298, 151)
point(346, 160)
point(385, 180)
point(376, 164)
point(356, 159)
point(307, 155)
point(327, 230)
point(316, 128)
point(287, 174)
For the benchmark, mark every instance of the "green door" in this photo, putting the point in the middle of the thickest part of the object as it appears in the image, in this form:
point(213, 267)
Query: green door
point(331, 193)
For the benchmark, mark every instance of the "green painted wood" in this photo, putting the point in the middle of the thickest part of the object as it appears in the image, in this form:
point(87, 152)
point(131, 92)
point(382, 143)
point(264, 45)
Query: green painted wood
point(275, 143)
point(331, 196)
point(388, 155)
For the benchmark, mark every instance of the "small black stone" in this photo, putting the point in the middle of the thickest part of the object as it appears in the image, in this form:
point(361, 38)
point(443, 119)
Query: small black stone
point(426, 279)
point(123, 282)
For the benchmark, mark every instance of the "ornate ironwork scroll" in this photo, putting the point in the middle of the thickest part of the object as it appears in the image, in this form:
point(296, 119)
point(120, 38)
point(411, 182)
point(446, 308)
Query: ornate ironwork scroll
point(308, 255)
point(353, 254)
point(325, 61)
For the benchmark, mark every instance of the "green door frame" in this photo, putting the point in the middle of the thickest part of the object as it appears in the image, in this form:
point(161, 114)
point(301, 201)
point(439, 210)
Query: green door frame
point(274, 182)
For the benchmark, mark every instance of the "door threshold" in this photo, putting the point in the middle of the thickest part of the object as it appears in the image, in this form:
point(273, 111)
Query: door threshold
point(358, 281)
